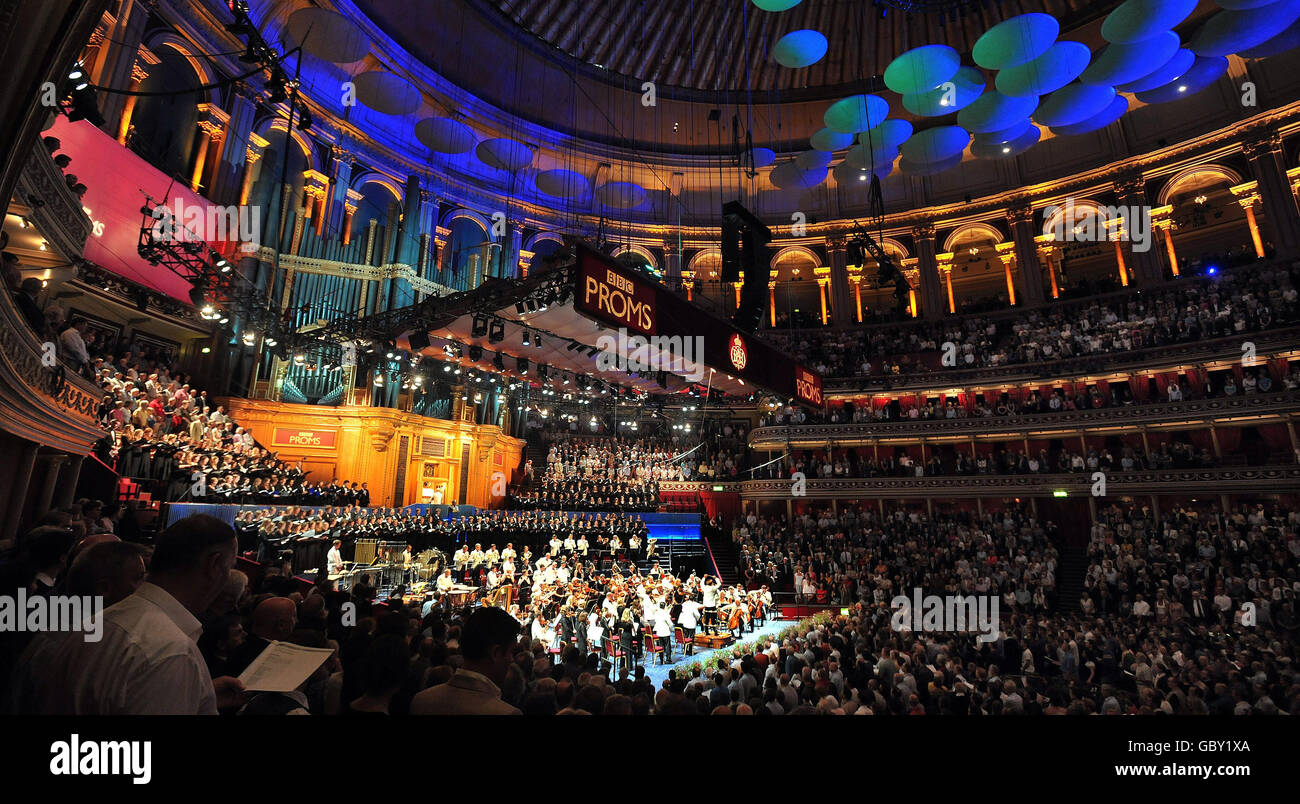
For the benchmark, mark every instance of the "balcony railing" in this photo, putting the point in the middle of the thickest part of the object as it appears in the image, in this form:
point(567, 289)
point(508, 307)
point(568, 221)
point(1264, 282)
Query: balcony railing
point(52, 205)
point(1178, 354)
point(1200, 411)
point(1220, 480)
point(43, 401)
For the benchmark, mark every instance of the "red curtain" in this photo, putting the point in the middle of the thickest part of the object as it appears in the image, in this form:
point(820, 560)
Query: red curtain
point(1229, 439)
point(1276, 436)
point(725, 503)
point(1140, 387)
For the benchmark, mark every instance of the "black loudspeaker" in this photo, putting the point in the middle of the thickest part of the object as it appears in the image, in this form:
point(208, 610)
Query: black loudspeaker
point(731, 258)
point(419, 340)
point(754, 261)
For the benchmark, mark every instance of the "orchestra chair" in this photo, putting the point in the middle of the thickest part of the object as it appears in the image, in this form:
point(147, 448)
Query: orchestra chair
point(652, 647)
point(613, 655)
point(679, 634)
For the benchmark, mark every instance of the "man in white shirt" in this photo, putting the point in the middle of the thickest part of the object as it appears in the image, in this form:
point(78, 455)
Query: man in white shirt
point(147, 661)
point(689, 620)
point(334, 559)
point(73, 342)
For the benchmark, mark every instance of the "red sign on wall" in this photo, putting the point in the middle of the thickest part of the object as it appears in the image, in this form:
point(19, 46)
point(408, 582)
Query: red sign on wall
point(290, 437)
point(807, 386)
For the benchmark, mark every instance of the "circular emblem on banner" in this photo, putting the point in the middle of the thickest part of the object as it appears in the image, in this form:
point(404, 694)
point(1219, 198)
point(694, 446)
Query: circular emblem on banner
point(739, 356)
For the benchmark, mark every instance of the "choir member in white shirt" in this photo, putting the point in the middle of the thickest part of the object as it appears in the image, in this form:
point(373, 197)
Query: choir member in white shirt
point(508, 554)
point(582, 546)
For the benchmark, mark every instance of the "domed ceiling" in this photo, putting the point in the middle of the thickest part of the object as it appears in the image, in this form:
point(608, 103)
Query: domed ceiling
point(733, 45)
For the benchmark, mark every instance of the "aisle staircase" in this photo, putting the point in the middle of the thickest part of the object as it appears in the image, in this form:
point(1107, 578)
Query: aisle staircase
point(724, 555)
point(1070, 573)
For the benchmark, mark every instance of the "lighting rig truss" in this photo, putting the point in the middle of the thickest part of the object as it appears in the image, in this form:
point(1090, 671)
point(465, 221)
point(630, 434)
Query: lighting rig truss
point(217, 284)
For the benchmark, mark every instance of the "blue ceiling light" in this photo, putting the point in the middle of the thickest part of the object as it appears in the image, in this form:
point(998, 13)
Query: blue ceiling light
point(387, 93)
point(921, 69)
point(994, 111)
point(790, 176)
point(562, 183)
point(1109, 115)
point(827, 140)
point(936, 144)
point(1012, 132)
point(1287, 40)
point(1228, 32)
point(1178, 64)
point(800, 49)
point(928, 168)
point(444, 135)
point(1015, 41)
point(1135, 20)
point(856, 113)
point(887, 136)
point(1119, 64)
point(1073, 104)
point(1204, 72)
point(333, 36)
point(991, 146)
point(957, 93)
point(850, 176)
point(813, 160)
point(621, 194)
point(758, 158)
point(1061, 64)
point(777, 5)
point(504, 154)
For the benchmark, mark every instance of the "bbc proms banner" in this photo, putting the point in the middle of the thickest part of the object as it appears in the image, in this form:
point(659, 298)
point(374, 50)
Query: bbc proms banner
point(613, 295)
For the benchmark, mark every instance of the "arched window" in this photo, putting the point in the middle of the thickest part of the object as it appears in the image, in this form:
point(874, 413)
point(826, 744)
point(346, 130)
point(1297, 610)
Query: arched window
point(376, 200)
point(164, 128)
point(471, 255)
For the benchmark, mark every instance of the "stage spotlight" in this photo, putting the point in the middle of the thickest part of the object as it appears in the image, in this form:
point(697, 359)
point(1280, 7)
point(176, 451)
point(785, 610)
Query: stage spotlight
point(527, 340)
point(497, 331)
point(276, 94)
point(476, 353)
point(537, 339)
point(304, 119)
point(543, 372)
point(522, 365)
point(499, 362)
point(480, 327)
point(520, 308)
